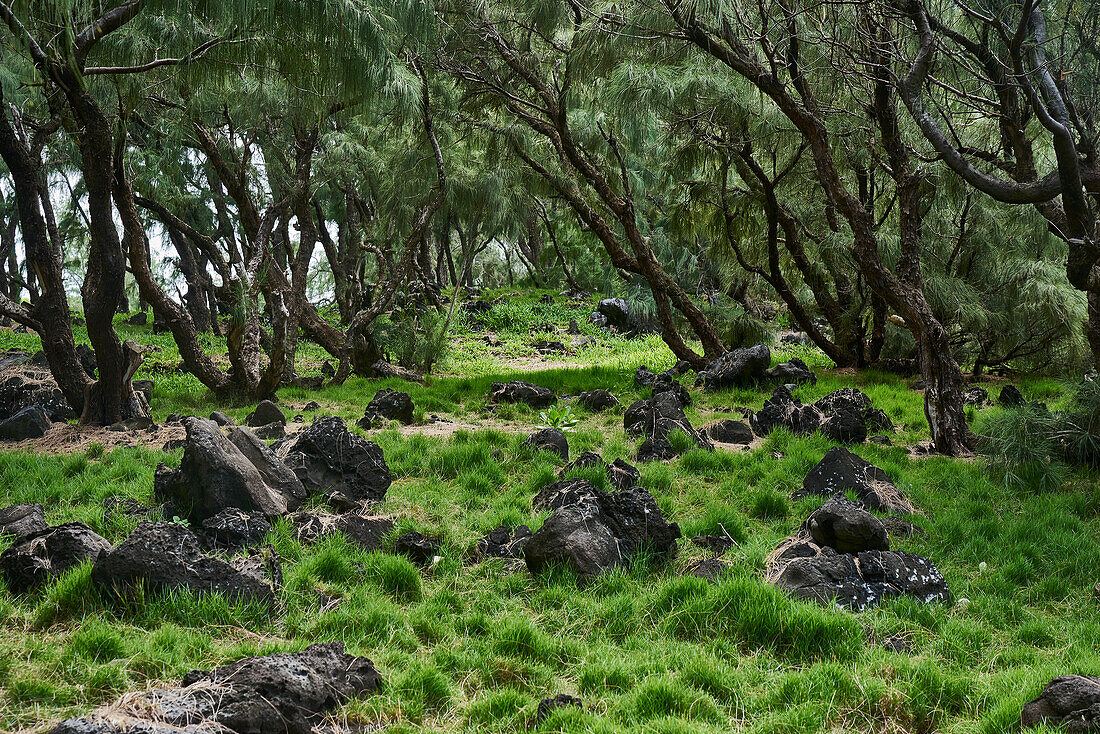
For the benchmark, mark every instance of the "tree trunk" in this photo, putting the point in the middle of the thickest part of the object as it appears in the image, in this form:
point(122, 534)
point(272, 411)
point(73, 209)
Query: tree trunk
point(51, 309)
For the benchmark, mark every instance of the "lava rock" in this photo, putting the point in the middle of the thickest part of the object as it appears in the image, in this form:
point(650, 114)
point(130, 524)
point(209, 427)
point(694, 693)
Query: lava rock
point(656, 418)
point(620, 474)
point(644, 377)
point(708, 569)
point(737, 367)
point(501, 542)
point(784, 410)
point(716, 544)
point(367, 532)
point(518, 391)
point(563, 492)
point(857, 581)
point(22, 520)
point(730, 431)
point(1071, 702)
point(855, 401)
point(1010, 397)
point(847, 527)
point(139, 319)
point(168, 555)
point(274, 472)
point(795, 372)
point(327, 457)
point(844, 426)
point(976, 396)
point(284, 693)
point(392, 405)
point(547, 706)
point(665, 383)
point(30, 422)
point(597, 400)
point(841, 471)
point(266, 413)
point(549, 439)
point(233, 529)
point(270, 432)
point(215, 474)
point(417, 548)
point(601, 532)
point(46, 554)
point(23, 384)
point(617, 314)
point(221, 418)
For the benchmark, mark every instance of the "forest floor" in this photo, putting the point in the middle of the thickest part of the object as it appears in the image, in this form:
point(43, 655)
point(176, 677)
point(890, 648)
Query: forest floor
point(474, 648)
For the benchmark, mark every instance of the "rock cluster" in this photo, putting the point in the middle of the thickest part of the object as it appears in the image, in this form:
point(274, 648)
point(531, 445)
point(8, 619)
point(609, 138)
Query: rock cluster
point(284, 693)
point(655, 419)
point(841, 554)
point(592, 531)
point(845, 416)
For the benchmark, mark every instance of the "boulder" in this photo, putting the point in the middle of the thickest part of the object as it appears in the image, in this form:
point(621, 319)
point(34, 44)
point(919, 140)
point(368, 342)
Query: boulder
point(139, 319)
point(167, 555)
point(22, 520)
point(847, 527)
point(23, 384)
point(215, 474)
point(367, 532)
point(1010, 397)
point(737, 368)
point(274, 472)
point(597, 400)
point(617, 314)
point(793, 372)
point(518, 391)
point(417, 548)
point(655, 418)
point(844, 426)
point(783, 410)
point(1070, 702)
point(601, 531)
point(664, 383)
point(266, 413)
point(549, 439)
point(30, 422)
point(284, 693)
point(644, 377)
point(502, 542)
point(221, 418)
point(46, 554)
point(270, 432)
point(841, 471)
point(730, 431)
point(392, 405)
point(851, 400)
point(327, 457)
point(233, 529)
point(857, 581)
point(563, 492)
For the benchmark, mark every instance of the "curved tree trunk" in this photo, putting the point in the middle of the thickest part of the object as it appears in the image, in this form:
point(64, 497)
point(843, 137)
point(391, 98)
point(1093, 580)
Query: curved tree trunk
point(50, 311)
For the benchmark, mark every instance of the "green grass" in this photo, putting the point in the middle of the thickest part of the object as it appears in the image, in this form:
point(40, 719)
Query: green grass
point(473, 648)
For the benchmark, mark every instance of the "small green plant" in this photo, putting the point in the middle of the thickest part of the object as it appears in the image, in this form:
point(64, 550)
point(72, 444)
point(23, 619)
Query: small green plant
point(560, 417)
